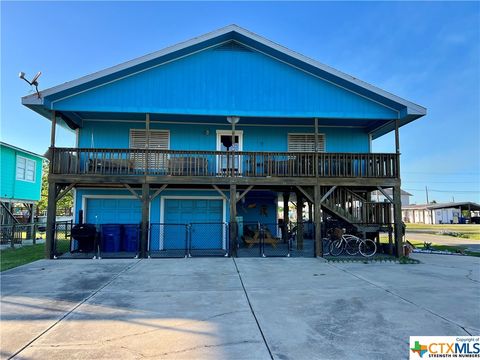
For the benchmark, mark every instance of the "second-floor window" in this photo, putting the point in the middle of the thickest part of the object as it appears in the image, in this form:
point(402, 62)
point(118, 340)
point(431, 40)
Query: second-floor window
point(25, 169)
point(153, 140)
point(298, 142)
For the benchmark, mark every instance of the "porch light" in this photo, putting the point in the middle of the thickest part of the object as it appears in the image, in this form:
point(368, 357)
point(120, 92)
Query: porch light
point(233, 119)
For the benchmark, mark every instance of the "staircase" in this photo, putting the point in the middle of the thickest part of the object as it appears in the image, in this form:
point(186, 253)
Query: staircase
point(6, 215)
point(348, 206)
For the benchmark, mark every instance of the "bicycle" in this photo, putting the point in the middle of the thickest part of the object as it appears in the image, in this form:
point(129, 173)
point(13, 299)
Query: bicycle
point(350, 244)
point(366, 247)
point(342, 243)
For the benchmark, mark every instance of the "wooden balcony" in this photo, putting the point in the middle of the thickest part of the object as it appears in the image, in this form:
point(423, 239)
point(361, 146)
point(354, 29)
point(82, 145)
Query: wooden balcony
point(76, 161)
point(136, 162)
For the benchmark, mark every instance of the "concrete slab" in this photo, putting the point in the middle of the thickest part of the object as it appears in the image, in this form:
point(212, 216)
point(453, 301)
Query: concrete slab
point(198, 309)
point(360, 311)
point(37, 295)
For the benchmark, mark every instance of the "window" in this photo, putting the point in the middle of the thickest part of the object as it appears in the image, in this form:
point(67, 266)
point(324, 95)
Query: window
point(157, 139)
point(25, 169)
point(152, 139)
point(305, 142)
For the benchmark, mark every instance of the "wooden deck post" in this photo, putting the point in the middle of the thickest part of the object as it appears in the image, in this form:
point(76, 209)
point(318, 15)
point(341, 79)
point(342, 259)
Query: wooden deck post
point(31, 221)
point(53, 129)
point(52, 194)
point(286, 199)
point(316, 165)
point(397, 213)
point(145, 219)
point(318, 221)
point(397, 199)
point(51, 218)
point(299, 220)
point(233, 220)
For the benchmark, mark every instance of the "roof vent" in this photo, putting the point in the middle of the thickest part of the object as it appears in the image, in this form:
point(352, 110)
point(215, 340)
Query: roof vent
point(232, 46)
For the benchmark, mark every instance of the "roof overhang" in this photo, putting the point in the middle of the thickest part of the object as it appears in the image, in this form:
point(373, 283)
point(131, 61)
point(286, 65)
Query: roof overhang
point(407, 111)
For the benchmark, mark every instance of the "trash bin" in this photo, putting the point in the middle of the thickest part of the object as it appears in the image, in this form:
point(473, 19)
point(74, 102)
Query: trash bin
point(111, 236)
point(131, 235)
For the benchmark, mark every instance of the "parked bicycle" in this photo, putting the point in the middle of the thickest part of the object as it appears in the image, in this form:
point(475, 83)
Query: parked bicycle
point(350, 244)
point(366, 247)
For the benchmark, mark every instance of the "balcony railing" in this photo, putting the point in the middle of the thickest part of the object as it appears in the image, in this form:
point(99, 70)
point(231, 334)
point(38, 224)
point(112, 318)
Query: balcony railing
point(77, 161)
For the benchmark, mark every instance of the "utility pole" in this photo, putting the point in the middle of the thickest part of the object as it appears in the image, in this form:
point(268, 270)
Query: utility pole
point(426, 191)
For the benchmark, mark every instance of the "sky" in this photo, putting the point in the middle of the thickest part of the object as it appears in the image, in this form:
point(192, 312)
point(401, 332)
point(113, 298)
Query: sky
point(425, 52)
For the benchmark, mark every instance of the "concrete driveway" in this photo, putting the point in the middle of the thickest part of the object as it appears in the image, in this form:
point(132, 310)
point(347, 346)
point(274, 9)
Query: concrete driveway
point(220, 308)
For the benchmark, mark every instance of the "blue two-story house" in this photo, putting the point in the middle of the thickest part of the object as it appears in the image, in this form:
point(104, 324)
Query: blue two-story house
point(217, 130)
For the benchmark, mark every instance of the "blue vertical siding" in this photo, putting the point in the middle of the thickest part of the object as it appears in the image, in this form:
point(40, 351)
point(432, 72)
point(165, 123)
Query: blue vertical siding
point(193, 137)
point(154, 206)
point(223, 82)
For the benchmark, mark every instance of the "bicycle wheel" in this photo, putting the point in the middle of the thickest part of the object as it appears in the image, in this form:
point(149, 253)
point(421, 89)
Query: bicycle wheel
point(368, 248)
point(336, 247)
point(352, 246)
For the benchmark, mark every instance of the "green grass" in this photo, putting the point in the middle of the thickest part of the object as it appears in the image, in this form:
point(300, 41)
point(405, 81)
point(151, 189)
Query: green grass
point(471, 236)
point(10, 258)
point(453, 249)
point(13, 257)
point(462, 228)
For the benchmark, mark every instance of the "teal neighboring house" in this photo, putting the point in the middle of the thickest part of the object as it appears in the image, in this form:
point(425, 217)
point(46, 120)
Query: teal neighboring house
point(21, 179)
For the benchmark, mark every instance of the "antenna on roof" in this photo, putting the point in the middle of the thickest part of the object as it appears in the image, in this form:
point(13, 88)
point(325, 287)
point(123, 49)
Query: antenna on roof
point(33, 82)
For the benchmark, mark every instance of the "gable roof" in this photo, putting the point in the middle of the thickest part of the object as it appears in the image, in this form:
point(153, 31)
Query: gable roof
point(464, 205)
point(22, 150)
point(408, 111)
point(390, 192)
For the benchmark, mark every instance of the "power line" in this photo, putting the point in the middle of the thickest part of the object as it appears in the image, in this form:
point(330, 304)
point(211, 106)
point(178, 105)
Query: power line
point(455, 173)
point(448, 191)
point(440, 182)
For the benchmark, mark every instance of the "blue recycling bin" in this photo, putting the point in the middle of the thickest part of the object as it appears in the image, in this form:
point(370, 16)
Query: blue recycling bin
point(131, 235)
point(111, 236)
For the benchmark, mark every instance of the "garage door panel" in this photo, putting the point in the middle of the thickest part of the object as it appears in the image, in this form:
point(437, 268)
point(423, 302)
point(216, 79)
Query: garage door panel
point(113, 211)
point(195, 211)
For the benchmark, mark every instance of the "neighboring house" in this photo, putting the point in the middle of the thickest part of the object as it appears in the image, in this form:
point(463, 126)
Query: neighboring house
point(446, 213)
point(211, 130)
point(20, 180)
point(379, 197)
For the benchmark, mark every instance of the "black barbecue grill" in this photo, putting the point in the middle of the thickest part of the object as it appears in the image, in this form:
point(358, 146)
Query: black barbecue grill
point(86, 236)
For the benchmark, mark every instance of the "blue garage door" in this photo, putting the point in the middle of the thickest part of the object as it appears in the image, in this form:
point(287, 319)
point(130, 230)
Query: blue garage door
point(113, 211)
point(205, 215)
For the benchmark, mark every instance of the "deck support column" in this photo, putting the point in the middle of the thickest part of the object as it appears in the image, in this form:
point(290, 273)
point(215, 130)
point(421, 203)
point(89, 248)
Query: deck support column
point(52, 195)
point(145, 219)
point(51, 217)
point(397, 213)
point(299, 220)
point(31, 221)
point(397, 199)
point(318, 221)
point(286, 220)
point(233, 220)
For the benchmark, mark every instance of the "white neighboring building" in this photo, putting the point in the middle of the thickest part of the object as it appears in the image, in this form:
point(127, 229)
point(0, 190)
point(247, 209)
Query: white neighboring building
point(447, 213)
point(379, 197)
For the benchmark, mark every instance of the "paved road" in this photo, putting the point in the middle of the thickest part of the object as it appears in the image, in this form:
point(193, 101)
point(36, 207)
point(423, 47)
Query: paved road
point(221, 308)
point(472, 245)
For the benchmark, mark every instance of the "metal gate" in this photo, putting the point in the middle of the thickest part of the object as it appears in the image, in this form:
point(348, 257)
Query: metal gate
point(188, 240)
point(257, 239)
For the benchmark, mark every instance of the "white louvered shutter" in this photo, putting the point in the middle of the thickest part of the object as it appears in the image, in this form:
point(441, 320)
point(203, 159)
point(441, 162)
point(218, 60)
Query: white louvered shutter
point(305, 142)
point(157, 139)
